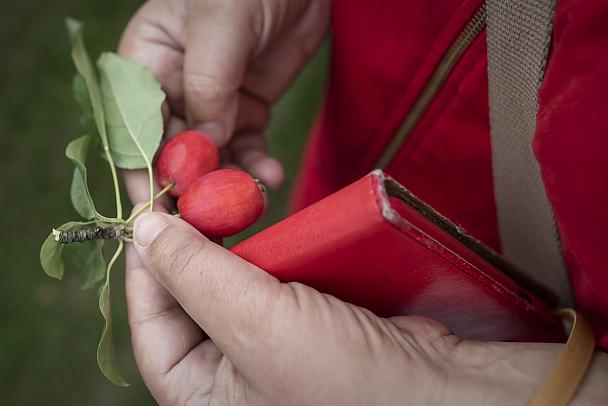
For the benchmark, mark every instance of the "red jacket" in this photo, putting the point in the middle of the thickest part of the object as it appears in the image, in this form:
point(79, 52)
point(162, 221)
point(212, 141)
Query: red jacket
point(384, 53)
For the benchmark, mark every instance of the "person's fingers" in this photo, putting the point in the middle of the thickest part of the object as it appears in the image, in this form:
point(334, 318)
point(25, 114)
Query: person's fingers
point(218, 46)
point(248, 151)
point(155, 37)
point(137, 184)
point(248, 148)
point(162, 334)
point(175, 125)
point(281, 53)
point(231, 299)
point(253, 113)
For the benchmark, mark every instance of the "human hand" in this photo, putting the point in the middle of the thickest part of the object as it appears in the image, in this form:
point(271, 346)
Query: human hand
point(210, 328)
point(222, 63)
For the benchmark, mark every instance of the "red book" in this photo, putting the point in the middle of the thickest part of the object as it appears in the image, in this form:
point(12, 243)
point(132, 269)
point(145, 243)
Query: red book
point(376, 245)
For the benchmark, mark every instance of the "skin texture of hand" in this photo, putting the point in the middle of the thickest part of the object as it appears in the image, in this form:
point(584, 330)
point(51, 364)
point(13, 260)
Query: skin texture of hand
point(209, 328)
point(222, 63)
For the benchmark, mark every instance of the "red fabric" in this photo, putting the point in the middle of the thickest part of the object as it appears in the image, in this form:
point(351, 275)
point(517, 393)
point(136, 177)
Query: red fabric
point(571, 145)
point(374, 83)
point(383, 54)
point(394, 261)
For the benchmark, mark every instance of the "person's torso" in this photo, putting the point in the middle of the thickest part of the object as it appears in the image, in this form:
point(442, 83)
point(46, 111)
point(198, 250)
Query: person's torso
point(408, 92)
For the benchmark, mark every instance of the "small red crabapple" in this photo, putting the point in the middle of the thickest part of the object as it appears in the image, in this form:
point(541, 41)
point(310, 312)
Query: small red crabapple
point(222, 203)
point(185, 158)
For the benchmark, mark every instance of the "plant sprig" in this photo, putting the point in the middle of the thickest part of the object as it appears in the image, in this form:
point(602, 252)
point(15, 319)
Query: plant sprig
point(122, 114)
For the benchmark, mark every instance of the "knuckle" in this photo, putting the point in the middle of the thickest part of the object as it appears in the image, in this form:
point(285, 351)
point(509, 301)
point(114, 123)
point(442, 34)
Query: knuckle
point(427, 335)
point(207, 87)
point(177, 253)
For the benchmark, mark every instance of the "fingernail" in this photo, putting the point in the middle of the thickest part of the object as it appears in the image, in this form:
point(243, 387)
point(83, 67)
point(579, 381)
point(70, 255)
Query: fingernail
point(147, 227)
point(215, 130)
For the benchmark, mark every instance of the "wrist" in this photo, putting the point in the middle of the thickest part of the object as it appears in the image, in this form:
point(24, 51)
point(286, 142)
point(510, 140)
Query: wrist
point(498, 373)
point(511, 373)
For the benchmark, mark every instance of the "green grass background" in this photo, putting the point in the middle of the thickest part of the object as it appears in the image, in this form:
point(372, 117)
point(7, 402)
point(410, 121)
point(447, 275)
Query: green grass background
point(49, 329)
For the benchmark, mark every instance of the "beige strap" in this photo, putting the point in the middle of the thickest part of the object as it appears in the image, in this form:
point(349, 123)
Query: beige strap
point(568, 372)
point(519, 37)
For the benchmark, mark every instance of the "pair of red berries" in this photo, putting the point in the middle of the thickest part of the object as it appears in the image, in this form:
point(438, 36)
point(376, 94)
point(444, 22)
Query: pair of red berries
point(217, 202)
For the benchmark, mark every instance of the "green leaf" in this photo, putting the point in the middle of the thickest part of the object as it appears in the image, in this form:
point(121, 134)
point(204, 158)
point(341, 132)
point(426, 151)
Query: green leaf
point(106, 354)
point(82, 201)
point(81, 94)
point(79, 194)
point(85, 68)
point(51, 258)
point(132, 101)
point(51, 252)
point(88, 256)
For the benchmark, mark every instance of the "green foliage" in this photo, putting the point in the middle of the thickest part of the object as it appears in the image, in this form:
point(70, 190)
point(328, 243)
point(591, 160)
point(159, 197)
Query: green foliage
point(86, 70)
point(132, 100)
point(88, 256)
point(106, 353)
point(81, 95)
point(51, 252)
point(51, 256)
point(82, 201)
point(125, 111)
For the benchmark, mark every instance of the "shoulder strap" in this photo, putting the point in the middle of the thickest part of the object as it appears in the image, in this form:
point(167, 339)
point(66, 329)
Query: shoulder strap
point(569, 370)
point(519, 37)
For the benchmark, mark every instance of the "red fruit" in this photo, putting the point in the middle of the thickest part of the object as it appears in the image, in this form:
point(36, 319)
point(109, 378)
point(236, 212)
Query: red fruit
point(222, 202)
point(185, 158)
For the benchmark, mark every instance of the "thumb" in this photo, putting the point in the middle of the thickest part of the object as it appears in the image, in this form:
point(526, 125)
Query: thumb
point(219, 42)
point(227, 296)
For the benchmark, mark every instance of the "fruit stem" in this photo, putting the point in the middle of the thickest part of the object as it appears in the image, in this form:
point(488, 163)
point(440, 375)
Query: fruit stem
point(145, 206)
point(260, 184)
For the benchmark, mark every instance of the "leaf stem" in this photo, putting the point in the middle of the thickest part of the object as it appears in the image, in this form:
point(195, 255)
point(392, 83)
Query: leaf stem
point(111, 220)
point(113, 260)
point(150, 203)
point(106, 149)
point(148, 165)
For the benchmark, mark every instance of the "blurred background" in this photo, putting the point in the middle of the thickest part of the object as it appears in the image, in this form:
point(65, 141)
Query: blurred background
point(49, 329)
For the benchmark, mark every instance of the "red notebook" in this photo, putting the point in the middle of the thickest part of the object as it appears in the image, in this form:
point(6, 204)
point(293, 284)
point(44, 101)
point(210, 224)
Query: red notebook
point(376, 245)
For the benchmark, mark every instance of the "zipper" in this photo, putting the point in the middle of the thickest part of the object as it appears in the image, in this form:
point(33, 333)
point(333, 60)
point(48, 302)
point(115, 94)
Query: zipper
point(473, 28)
